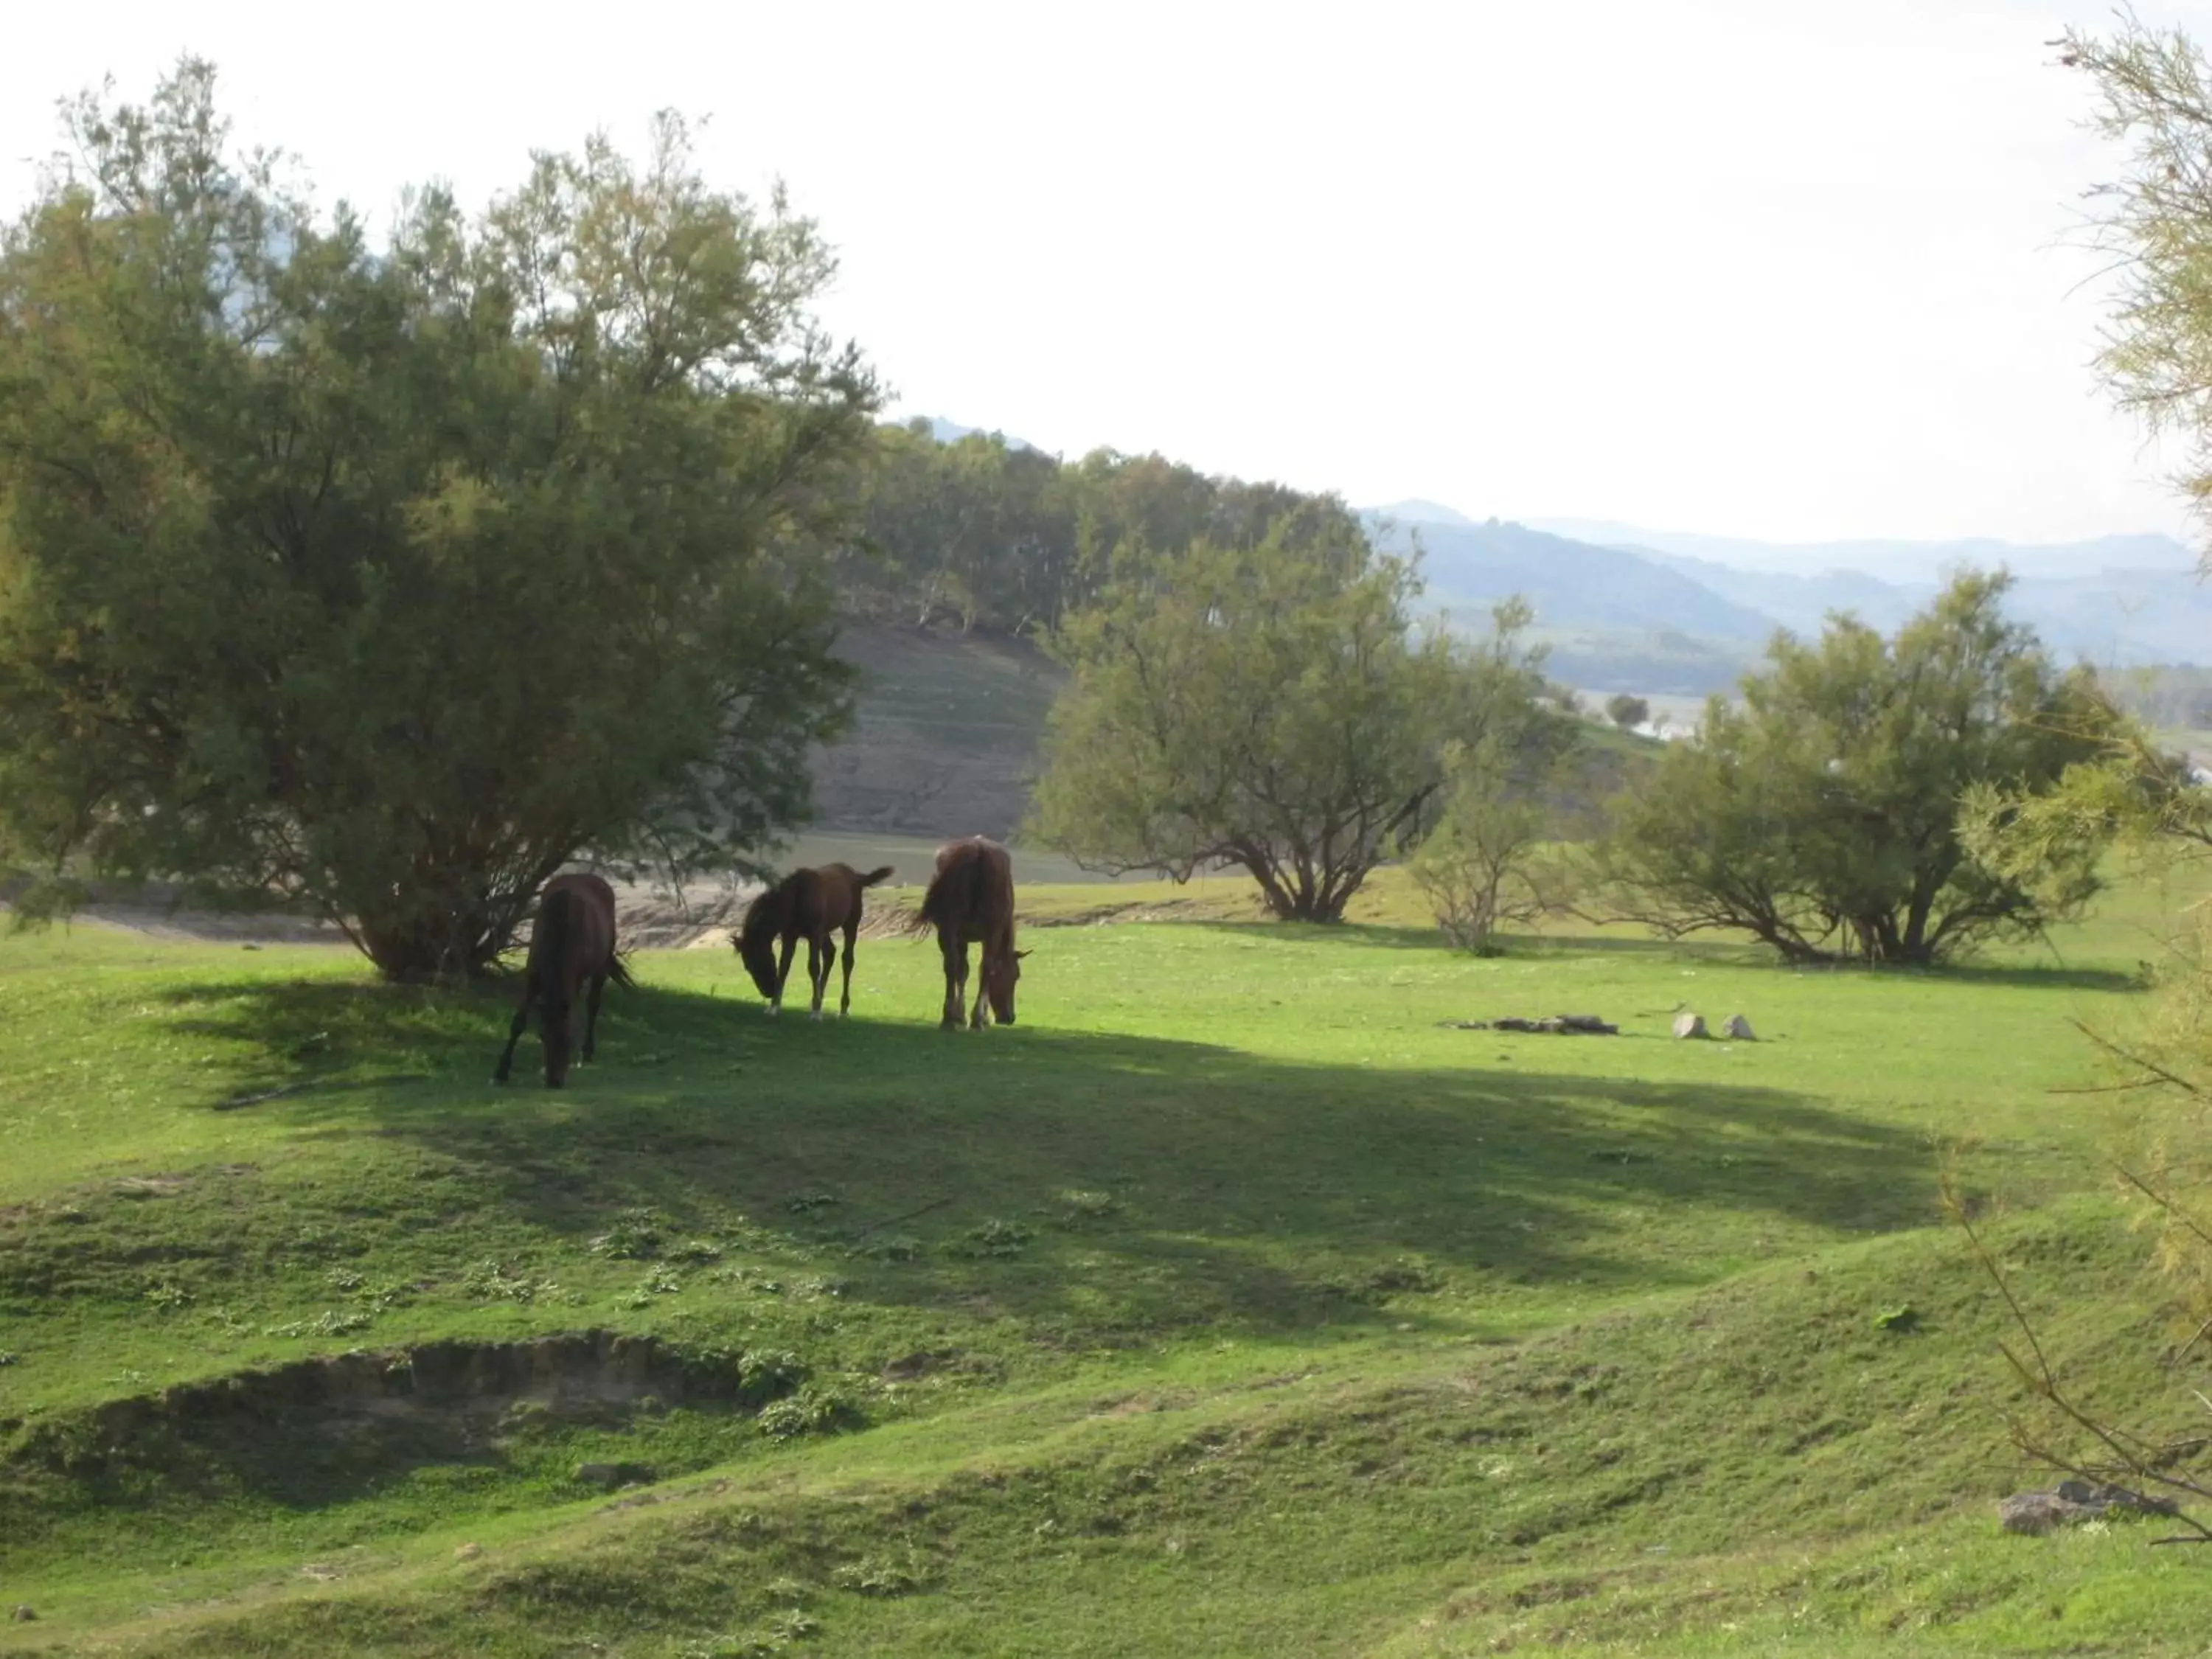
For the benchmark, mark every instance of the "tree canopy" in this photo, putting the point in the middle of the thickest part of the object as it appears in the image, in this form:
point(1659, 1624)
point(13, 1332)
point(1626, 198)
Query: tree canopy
point(390, 579)
point(1823, 815)
point(1627, 712)
point(1267, 705)
point(990, 534)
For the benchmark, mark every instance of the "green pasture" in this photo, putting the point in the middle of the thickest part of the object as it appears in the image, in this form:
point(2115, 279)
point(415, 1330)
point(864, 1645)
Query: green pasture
point(1234, 1301)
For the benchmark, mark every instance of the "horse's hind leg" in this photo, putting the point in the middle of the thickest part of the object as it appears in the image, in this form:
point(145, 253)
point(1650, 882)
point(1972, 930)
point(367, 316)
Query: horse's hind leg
point(845, 996)
point(818, 970)
point(956, 984)
point(591, 1017)
point(515, 1028)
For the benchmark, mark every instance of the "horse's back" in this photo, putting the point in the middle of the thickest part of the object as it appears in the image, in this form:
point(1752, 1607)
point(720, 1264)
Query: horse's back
point(595, 904)
point(842, 890)
point(973, 889)
point(594, 887)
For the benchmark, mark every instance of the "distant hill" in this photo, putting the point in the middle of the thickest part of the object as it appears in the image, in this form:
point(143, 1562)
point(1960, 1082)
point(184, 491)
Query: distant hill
point(1891, 561)
point(2111, 616)
point(1571, 584)
point(2118, 601)
point(2122, 618)
point(1417, 512)
point(1662, 664)
point(951, 431)
point(1803, 603)
point(946, 739)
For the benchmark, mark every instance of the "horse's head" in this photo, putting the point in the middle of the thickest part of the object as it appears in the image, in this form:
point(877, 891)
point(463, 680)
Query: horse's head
point(553, 1024)
point(1000, 975)
point(755, 943)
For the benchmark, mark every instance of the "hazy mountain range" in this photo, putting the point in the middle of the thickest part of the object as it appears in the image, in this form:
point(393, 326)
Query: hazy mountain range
point(1623, 608)
point(1628, 608)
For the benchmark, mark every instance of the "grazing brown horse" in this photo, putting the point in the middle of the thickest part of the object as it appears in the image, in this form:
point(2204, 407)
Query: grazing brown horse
point(806, 904)
point(573, 946)
point(971, 900)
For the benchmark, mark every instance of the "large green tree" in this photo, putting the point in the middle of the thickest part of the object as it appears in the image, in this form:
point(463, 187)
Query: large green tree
point(1822, 815)
point(389, 579)
point(1270, 707)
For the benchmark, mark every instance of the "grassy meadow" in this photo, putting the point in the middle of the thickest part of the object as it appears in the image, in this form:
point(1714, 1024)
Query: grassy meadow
point(1232, 1302)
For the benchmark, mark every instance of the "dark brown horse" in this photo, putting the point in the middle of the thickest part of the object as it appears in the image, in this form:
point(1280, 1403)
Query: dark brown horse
point(572, 947)
point(971, 901)
point(806, 904)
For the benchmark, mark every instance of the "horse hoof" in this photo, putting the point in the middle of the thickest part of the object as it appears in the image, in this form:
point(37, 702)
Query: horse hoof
point(771, 1010)
point(816, 1015)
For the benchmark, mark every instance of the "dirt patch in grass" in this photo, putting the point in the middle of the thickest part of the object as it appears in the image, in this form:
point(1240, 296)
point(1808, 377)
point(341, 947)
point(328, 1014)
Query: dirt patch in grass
point(456, 1385)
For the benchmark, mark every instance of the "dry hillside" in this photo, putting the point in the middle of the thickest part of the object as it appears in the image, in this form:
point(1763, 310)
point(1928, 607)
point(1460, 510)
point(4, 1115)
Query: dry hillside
point(947, 740)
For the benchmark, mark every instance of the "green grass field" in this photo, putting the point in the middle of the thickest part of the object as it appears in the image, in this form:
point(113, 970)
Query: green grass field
point(1231, 1302)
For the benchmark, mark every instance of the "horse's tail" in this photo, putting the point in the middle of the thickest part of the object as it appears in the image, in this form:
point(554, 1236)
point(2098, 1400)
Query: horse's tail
point(955, 892)
point(875, 876)
point(936, 899)
point(618, 967)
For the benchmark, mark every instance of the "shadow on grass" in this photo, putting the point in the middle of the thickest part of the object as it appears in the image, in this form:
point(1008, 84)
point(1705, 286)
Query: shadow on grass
point(1161, 1185)
point(1027, 1191)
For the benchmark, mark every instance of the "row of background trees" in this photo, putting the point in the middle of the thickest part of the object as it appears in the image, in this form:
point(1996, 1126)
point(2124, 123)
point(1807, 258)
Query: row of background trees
point(389, 579)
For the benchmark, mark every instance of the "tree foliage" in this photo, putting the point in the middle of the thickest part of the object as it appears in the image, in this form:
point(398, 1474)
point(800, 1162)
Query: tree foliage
point(1627, 712)
point(2154, 97)
point(990, 534)
point(2154, 224)
point(1489, 862)
point(1823, 815)
point(393, 579)
point(1268, 707)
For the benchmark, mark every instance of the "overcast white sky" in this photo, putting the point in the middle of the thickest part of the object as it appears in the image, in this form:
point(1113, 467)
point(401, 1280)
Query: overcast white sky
point(1768, 267)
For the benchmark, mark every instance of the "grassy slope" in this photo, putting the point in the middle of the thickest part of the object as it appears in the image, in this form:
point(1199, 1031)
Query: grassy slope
point(1262, 1311)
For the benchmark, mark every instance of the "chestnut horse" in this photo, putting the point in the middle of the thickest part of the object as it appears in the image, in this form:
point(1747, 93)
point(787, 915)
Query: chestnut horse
point(572, 946)
point(805, 904)
point(971, 900)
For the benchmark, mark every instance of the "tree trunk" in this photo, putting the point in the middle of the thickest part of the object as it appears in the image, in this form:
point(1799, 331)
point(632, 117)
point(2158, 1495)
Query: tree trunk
point(1304, 902)
point(424, 948)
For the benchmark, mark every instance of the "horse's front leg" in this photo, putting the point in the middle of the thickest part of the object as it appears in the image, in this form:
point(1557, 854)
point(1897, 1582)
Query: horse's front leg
point(591, 1017)
point(782, 974)
point(515, 1028)
point(845, 997)
point(818, 970)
